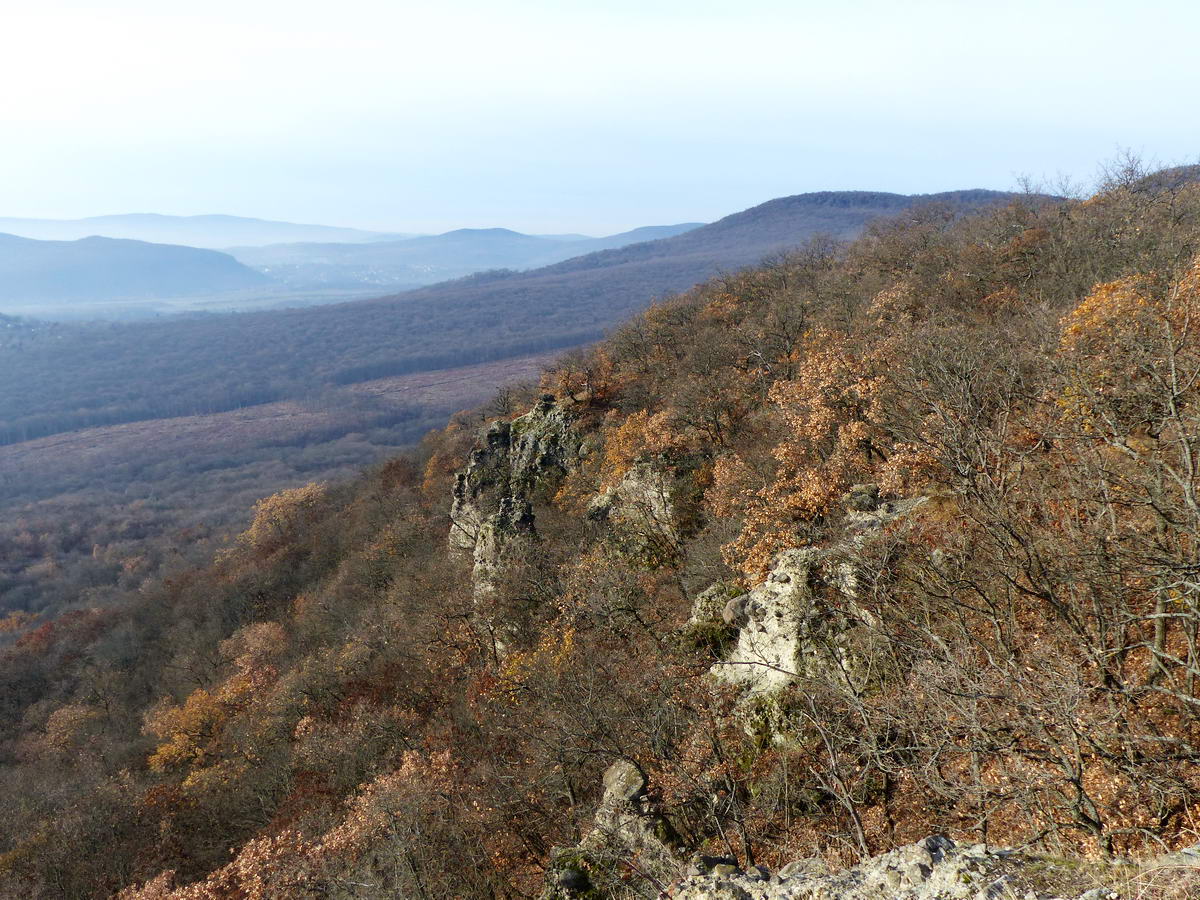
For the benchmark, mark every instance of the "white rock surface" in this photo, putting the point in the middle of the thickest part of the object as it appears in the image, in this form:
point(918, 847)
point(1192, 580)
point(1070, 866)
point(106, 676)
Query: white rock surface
point(641, 501)
point(805, 618)
point(933, 869)
point(770, 623)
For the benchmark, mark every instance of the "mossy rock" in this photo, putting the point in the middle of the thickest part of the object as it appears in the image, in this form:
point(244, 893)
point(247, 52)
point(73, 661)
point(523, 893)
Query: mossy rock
point(771, 719)
point(572, 876)
point(709, 637)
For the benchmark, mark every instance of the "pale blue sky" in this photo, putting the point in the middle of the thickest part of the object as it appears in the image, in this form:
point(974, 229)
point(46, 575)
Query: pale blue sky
point(568, 116)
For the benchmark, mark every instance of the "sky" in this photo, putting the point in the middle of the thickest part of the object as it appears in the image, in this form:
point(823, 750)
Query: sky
point(560, 116)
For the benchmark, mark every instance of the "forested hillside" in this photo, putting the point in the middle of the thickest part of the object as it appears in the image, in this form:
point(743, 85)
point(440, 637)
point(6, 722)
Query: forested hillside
point(78, 376)
point(89, 516)
point(825, 555)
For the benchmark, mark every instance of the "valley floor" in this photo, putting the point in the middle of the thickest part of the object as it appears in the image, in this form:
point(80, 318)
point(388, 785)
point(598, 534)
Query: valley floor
point(49, 460)
point(88, 512)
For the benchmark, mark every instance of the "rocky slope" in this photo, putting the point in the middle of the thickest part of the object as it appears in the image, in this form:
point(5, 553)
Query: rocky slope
point(629, 828)
point(935, 868)
point(814, 562)
point(787, 631)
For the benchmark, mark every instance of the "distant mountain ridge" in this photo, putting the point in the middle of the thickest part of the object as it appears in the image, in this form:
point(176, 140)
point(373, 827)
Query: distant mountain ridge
point(431, 258)
point(212, 232)
point(99, 268)
point(745, 237)
point(602, 288)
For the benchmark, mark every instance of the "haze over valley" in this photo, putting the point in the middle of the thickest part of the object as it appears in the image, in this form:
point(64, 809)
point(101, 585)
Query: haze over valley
point(211, 232)
point(85, 374)
point(139, 266)
point(426, 260)
point(36, 276)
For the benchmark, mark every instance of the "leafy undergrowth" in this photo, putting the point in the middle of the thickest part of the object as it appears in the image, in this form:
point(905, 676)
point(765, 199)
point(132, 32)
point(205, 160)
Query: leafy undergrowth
point(1074, 877)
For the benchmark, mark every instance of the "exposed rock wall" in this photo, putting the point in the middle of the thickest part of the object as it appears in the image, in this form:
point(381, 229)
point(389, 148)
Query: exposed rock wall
point(772, 621)
point(641, 502)
point(498, 536)
point(804, 619)
point(478, 486)
point(492, 510)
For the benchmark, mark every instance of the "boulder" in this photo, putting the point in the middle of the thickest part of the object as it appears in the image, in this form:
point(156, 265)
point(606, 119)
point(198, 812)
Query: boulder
point(628, 829)
point(627, 821)
point(710, 604)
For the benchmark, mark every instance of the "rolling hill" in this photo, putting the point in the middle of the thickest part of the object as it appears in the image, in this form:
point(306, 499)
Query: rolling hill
point(212, 232)
point(746, 237)
point(430, 259)
point(806, 563)
point(99, 268)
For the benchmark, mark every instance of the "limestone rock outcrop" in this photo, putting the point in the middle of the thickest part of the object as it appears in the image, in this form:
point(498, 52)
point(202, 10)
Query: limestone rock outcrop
point(628, 828)
point(498, 536)
point(773, 626)
point(640, 501)
point(804, 619)
point(492, 509)
point(628, 820)
point(933, 869)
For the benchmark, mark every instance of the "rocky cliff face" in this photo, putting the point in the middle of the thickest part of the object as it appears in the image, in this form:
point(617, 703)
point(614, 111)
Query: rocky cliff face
point(804, 619)
point(492, 509)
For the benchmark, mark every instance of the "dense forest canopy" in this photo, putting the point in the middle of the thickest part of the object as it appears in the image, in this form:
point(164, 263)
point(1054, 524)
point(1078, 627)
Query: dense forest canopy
point(967, 449)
